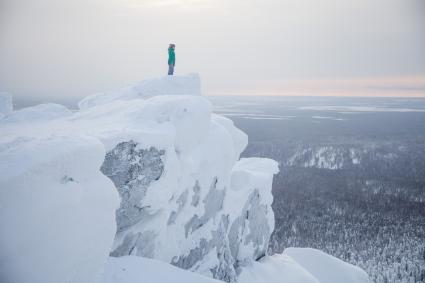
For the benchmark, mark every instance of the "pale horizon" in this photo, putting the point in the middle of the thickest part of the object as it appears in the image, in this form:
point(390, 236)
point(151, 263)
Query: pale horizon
point(71, 49)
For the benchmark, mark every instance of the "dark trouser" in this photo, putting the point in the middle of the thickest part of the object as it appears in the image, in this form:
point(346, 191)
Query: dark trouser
point(170, 69)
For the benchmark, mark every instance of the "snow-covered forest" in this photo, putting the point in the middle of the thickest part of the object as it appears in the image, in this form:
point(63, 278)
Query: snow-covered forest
point(359, 200)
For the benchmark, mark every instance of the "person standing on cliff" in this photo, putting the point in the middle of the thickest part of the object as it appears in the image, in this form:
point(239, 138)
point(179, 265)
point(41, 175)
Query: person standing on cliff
point(171, 59)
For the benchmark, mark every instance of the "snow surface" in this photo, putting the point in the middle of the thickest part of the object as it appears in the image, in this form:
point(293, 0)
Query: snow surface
point(6, 105)
point(251, 174)
point(326, 268)
point(38, 113)
point(170, 85)
point(303, 265)
point(276, 269)
point(56, 209)
point(131, 269)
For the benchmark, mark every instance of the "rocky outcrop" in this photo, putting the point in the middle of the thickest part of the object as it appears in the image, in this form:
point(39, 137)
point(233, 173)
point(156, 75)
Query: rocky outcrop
point(219, 239)
point(132, 170)
point(186, 198)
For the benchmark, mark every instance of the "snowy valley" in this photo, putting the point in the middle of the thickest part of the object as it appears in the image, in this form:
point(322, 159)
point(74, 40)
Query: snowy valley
point(144, 183)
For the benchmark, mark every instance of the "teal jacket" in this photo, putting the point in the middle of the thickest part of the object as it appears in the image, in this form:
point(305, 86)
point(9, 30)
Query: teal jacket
point(171, 56)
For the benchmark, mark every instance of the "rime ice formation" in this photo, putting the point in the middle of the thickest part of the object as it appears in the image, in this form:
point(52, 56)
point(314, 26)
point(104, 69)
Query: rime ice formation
point(186, 198)
point(56, 209)
point(191, 201)
point(148, 171)
point(172, 85)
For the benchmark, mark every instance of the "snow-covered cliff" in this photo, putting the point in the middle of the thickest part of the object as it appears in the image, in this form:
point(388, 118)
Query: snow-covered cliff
point(185, 196)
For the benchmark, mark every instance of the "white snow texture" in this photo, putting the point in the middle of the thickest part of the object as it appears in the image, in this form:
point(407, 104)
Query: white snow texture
point(56, 209)
point(6, 105)
point(147, 171)
point(302, 265)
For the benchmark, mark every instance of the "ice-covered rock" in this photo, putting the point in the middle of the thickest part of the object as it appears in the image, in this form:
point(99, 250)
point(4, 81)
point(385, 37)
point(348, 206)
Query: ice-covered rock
point(174, 173)
point(125, 164)
point(6, 105)
point(168, 85)
point(186, 198)
point(179, 200)
point(253, 222)
point(56, 209)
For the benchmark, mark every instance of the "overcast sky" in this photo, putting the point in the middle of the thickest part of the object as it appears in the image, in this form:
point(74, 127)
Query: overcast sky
point(312, 47)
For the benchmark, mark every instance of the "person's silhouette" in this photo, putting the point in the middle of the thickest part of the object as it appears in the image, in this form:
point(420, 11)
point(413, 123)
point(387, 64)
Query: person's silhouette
point(171, 59)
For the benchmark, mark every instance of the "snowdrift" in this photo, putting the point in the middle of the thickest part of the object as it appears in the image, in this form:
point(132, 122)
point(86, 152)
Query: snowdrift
point(326, 268)
point(302, 265)
point(56, 209)
point(38, 113)
point(130, 269)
